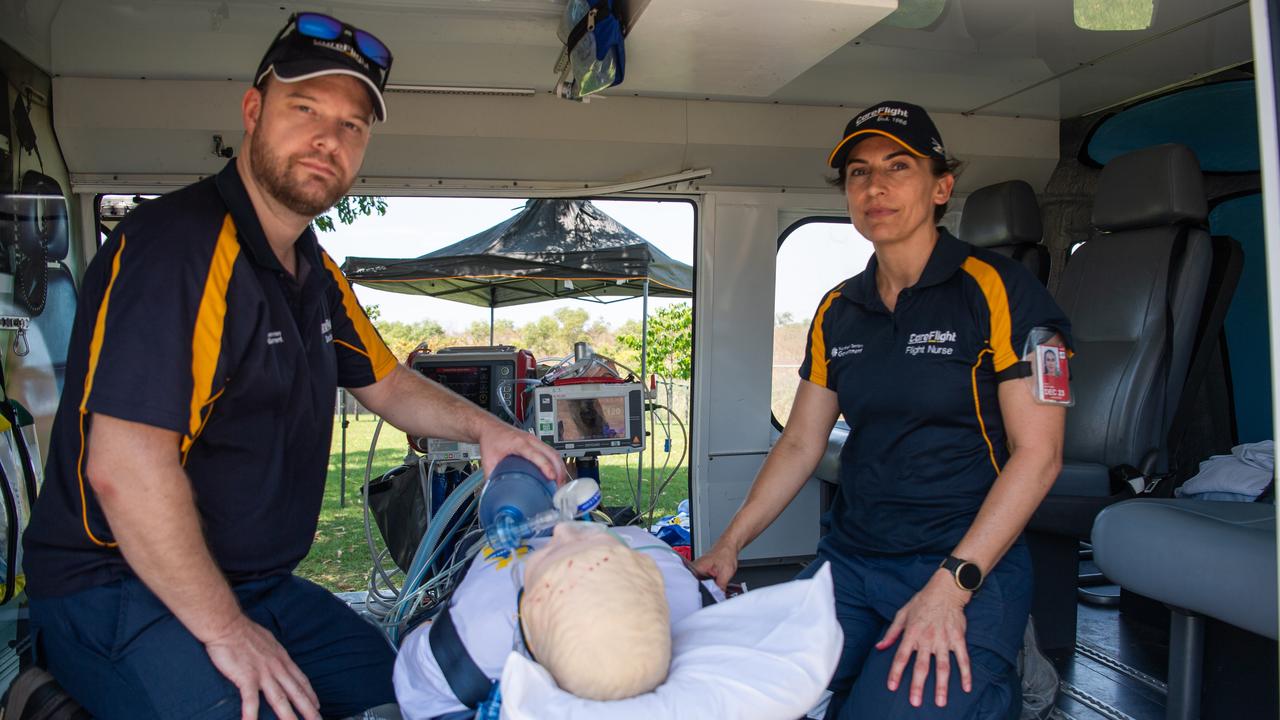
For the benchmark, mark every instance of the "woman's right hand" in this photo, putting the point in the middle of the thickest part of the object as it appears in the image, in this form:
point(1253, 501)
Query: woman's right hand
point(719, 564)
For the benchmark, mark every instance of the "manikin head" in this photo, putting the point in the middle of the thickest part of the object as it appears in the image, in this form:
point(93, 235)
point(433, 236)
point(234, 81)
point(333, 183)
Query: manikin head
point(595, 614)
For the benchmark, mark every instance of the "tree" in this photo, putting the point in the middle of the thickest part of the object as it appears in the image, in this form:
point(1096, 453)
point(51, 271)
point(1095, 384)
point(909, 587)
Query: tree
point(477, 333)
point(349, 208)
point(401, 338)
point(670, 351)
point(373, 311)
point(554, 335)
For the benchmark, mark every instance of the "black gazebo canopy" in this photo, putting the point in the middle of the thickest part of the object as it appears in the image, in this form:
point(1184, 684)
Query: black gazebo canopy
point(551, 250)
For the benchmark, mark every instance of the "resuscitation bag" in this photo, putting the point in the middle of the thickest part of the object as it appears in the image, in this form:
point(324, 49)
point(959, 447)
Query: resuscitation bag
point(515, 494)
point(593, 58)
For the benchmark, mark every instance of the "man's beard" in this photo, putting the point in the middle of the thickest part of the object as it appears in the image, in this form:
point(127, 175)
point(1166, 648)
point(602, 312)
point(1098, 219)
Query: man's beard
point(273, 174)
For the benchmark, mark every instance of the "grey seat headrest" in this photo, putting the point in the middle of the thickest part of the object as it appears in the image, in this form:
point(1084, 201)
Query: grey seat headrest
point(1002, 214)
point(1160, 185)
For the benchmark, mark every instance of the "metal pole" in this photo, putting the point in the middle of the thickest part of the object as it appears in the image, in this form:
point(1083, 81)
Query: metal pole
point(342, 479)
point(493, 301)
point(644, 375)
point(1186, 664)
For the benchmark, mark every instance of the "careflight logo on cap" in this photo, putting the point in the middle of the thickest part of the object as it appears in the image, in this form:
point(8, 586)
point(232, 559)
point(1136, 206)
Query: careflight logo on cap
point(311, 45)
point(343, 48)
point(883, 113)
point(906, 124)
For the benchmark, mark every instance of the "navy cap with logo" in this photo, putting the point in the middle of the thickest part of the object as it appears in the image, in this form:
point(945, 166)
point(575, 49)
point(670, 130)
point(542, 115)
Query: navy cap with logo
point(311, 45)
point(906, 124)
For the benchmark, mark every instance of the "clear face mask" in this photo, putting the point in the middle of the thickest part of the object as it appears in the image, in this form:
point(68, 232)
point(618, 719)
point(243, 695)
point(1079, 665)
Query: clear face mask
point(508, 530)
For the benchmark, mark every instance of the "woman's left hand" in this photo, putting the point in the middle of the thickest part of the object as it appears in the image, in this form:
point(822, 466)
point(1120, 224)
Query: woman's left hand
point(931, 625)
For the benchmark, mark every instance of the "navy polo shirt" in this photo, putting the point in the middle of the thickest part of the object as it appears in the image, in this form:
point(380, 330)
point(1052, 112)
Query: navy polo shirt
point(918, 389)
point(188, 322)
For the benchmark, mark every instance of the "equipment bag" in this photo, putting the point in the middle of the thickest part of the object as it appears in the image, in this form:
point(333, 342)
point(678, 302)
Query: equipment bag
point(593, 58)
point(398, 506)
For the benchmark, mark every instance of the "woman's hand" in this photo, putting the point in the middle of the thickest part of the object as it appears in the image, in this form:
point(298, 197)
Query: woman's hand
point(931, 625)
point(719, 564)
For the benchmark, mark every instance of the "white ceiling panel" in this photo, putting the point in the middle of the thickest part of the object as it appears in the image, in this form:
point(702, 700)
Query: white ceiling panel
point(980, 51)
point(1003, 57)
point(739, 48)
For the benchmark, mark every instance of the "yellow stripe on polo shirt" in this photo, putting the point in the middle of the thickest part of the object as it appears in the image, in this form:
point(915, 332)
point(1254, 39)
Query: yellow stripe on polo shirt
point(818, 342)
point(992, 286)
point(381, 361)
point(206, 340)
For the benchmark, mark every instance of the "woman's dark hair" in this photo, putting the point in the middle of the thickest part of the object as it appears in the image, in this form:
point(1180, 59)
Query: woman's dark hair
point(937, 167)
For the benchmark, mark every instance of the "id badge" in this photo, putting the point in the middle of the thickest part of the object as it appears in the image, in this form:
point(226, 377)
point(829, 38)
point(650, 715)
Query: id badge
point(1052, 379)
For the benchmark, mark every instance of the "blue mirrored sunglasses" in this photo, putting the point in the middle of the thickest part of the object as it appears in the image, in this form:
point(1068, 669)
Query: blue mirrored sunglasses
point(323, 27)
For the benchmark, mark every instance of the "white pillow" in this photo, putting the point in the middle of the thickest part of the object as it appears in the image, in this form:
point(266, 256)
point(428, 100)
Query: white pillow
point(764, 655)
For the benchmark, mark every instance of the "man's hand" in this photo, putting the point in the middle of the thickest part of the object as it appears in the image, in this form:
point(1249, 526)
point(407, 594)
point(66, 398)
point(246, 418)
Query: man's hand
point(931, 625)
point(719, 564)
point(498, 440)
point(249, 656)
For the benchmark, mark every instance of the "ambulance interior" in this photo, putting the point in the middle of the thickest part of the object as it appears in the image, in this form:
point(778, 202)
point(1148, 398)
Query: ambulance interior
point(731, 106)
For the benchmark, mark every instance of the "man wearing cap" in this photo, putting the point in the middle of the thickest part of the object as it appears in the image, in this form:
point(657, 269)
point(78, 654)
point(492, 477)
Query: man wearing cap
point(190, 448)
point(948, 453)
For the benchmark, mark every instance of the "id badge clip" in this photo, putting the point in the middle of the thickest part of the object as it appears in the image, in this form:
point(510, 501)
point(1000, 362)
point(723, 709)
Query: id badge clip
point(1049, 358)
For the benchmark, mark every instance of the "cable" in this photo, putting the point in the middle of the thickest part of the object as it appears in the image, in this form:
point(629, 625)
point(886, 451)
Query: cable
point(502, 399)
point(432, 543)
point(368, 529)
point(683, 455)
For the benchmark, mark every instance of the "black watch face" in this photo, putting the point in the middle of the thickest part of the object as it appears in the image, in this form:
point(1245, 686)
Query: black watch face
point(969, 575)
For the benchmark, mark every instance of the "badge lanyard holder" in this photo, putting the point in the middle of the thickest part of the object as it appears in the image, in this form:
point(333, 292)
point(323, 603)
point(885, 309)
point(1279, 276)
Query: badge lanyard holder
point(1048, 357)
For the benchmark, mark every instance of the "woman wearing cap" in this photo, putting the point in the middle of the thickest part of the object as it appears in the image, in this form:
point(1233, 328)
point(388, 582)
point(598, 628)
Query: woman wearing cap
point(948, 455)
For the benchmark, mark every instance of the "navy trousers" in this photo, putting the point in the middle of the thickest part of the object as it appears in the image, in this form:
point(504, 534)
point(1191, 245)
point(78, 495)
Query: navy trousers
point(120, 653)
point(869, 592)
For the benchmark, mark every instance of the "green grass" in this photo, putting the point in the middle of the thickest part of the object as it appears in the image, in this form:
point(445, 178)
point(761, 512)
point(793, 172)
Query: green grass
point(339, 559)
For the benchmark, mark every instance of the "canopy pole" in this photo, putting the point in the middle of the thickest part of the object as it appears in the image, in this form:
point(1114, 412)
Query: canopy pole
point(342, 477)
point(644, 356)
point(493, 300)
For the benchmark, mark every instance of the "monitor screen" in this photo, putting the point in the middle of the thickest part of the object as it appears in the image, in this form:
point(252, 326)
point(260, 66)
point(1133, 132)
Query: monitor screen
point(591, 418)
point(469, 381)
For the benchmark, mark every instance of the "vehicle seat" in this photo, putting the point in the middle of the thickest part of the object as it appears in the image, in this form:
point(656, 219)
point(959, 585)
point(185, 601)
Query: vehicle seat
point(36, 378)
point(1212, 558)
point(1005, 218)
point(1135, 294)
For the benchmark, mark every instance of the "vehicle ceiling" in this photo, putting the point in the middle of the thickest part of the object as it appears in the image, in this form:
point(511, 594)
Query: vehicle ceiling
point(990, 57)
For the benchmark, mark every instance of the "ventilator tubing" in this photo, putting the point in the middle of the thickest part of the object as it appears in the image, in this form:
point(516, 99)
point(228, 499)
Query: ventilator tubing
point(519, 503)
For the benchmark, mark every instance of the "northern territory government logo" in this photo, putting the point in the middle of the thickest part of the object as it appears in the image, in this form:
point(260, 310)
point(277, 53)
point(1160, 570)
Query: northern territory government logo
point(846, 350)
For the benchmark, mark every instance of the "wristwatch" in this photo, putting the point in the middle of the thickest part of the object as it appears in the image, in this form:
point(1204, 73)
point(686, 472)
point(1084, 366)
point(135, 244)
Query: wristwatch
point(967, 575)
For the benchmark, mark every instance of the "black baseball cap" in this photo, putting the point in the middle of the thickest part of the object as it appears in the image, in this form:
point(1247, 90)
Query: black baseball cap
point(311, 45)
point(906, 124)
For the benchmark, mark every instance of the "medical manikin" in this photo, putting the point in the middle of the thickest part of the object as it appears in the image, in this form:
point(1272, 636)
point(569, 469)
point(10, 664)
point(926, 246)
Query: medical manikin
point(593, 605)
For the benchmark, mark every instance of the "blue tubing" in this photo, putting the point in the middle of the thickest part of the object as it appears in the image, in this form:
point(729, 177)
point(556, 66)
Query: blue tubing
point(433, 540)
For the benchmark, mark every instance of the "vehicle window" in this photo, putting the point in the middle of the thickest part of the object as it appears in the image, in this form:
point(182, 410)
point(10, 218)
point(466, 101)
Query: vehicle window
point(112, 209)
point(814, 255)
point(1114, 14)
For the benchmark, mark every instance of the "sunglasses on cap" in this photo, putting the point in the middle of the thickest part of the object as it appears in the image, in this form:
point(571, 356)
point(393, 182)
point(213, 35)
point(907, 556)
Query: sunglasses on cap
point(322, 27)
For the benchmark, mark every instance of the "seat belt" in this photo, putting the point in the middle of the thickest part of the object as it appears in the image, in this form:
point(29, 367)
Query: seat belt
point(1228, 261)
point(467, 682)
point(1139, 483)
